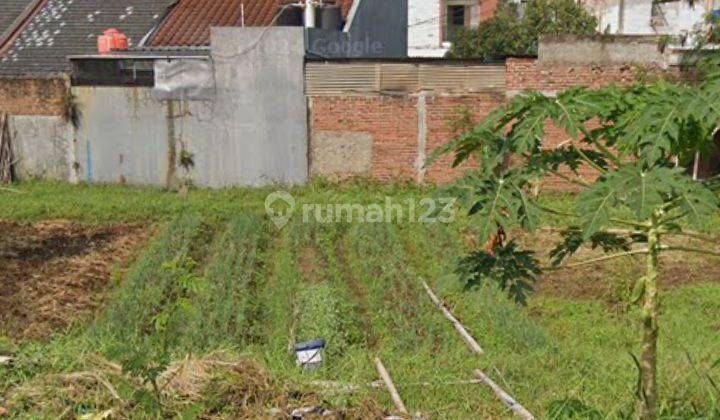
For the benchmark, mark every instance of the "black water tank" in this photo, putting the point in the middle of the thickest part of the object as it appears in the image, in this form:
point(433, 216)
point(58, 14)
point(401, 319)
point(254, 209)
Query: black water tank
point(329, 17)
point(291, 16)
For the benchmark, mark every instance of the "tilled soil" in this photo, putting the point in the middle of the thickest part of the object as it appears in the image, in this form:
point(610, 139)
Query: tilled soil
point(610, 281)
point(53, 273)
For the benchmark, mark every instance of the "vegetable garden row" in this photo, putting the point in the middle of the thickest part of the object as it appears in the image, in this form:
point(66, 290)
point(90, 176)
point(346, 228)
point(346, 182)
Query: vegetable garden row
point(244, 288)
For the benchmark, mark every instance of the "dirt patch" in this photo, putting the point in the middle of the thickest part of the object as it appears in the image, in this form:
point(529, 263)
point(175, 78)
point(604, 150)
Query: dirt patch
point(52, 273)
point(311, 264)
point(358, 293)
point(613, 281)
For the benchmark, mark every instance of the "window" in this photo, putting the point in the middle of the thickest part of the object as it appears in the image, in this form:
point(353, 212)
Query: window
point(456, 16)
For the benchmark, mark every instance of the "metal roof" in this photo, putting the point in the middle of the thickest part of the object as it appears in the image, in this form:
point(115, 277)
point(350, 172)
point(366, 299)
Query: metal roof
point(11, 14)
point(61, 28)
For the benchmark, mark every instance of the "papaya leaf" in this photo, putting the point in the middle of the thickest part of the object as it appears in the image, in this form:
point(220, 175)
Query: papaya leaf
point(594, 204)
point(513, 270)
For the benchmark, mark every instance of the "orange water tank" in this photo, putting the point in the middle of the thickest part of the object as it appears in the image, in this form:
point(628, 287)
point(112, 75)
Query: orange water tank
point(112, 40)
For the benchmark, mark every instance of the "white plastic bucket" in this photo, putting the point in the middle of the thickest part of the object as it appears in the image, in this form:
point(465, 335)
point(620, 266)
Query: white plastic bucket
point(309, 354)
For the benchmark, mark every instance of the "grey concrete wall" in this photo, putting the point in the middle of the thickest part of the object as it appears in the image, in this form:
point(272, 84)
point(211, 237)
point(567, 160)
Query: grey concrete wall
point(617, 49)
point(253, 133)
point(123, 134)
point(261, 104)
point(42, 146)
point(340, 153)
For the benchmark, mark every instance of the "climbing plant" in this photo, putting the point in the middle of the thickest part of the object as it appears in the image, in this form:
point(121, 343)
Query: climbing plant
point(638, 140)
point(516, 28)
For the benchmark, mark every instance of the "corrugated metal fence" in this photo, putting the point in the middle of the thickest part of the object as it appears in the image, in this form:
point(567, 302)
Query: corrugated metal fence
point(347, 78)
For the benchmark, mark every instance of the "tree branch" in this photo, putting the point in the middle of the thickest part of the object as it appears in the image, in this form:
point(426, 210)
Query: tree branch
point(577, 180)
point(555, 212)
point(691, 249)
point(692, 234)
point(600, 259)
point(643, 226)
point(615, 159)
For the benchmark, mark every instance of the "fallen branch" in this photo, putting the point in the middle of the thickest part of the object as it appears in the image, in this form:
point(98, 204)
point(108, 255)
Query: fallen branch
point(93, 376)
point(390, 386)
point(469, 340)
point(504, 396)
point(347, 388)
point(474, 347)
point(12, 190)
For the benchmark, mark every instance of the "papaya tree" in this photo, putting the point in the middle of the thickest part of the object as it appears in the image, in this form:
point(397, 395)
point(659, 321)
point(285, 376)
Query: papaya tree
point(638, 141)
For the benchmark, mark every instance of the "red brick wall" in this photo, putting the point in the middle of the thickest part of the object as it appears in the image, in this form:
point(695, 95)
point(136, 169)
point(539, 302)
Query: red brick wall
point(21, 96)
point(487, 9)
point(441, 110)
point(524, 74)
point(392, 121)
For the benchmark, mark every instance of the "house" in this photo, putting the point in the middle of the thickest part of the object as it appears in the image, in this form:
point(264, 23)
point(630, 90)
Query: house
point(433, 23)
point(36, 36)
point(188, 22)
point(340, 28)
point(39, 44)
point(651, 17)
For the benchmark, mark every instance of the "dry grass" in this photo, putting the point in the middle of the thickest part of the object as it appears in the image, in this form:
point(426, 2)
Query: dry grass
point(56, 272)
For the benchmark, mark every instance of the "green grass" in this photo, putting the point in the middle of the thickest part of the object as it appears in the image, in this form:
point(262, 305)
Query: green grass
point(220, 277)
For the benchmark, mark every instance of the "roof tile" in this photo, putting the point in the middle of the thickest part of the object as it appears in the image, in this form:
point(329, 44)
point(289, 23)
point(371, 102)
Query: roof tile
point(189, 21)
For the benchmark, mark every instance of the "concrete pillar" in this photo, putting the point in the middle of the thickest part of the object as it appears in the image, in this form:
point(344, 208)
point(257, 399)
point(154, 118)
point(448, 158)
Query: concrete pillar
point(421, 137)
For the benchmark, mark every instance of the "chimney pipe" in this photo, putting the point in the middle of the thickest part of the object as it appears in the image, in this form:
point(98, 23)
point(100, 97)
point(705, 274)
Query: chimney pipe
point(309, 14)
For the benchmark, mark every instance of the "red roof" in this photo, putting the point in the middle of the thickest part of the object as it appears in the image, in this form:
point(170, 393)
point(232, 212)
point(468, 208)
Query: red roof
point(188, 22)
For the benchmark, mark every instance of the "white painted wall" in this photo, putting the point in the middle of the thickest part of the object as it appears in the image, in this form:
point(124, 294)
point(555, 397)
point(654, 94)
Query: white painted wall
point(424, 29)
point(425, 26)
point(680, 16)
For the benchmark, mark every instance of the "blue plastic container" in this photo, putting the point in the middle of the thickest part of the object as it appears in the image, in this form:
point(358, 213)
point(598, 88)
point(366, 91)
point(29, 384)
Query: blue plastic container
point(309, 354)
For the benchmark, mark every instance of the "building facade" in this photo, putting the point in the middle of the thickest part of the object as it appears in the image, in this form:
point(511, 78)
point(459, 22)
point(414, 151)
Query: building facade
point(649, 17)
point(433, 23)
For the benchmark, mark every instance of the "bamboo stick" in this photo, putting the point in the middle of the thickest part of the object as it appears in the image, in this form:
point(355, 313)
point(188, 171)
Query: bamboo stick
point(390, 386)
point(469, 340)
point(475, 347)
point(348, 388)
point(504, 396)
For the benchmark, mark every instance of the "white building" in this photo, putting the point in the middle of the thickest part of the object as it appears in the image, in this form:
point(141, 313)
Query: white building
point(431, 23)
point(648, 17)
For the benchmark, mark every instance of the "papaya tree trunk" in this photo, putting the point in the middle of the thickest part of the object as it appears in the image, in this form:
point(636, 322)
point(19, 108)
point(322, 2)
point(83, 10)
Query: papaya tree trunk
point(648, 360)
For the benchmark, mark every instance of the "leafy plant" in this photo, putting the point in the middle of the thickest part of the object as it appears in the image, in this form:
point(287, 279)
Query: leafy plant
point(515, 28)
point(187, 162)
point(571, 408)
point(149, 361)
point(636, 140)
point(71, 112)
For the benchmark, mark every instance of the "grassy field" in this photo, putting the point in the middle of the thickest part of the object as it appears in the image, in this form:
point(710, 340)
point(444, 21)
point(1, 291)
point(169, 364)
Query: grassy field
point(201, 323)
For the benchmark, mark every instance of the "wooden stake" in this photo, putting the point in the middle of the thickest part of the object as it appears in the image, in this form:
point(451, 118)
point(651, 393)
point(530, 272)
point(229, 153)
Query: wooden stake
point(390, 386)
point(469, 340)
point(7, 162)
point(475, 348)
point(504, 396)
